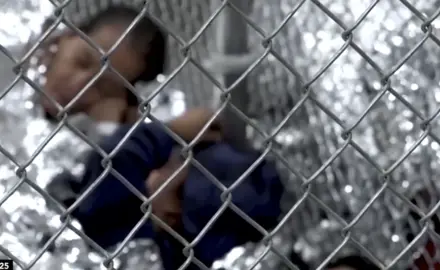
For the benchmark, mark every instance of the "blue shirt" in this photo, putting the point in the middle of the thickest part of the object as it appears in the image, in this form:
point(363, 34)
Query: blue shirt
point(109, 213)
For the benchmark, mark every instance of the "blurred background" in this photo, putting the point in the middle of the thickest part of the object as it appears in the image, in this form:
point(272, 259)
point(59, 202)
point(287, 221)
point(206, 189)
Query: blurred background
point(342, 95)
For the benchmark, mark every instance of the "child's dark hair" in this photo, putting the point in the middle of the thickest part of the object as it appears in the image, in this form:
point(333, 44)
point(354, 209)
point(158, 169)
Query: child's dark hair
point(354, 261)
point(144, 35)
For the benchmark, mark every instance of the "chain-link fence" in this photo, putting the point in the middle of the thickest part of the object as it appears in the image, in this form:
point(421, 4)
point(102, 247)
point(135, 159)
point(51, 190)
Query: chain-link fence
point(343, 95)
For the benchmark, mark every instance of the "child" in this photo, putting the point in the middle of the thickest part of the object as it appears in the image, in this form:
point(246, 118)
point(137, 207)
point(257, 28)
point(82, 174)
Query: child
point(110, 211)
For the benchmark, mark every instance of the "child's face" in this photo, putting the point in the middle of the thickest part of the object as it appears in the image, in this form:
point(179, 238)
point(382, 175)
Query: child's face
point(75, 63)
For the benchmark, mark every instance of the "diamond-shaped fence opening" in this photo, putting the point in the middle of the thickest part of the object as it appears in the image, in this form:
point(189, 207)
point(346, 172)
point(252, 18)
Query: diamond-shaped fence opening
point(342, 95)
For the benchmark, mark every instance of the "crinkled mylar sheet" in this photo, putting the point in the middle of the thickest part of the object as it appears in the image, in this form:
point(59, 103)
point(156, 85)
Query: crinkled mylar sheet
point(307, 42)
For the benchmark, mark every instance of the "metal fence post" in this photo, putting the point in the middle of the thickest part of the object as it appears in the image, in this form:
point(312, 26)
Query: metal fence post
point(232, 41)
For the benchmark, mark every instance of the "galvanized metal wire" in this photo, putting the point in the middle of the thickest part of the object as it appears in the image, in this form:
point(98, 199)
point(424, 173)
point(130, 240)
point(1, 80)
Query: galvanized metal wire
point(302, 92)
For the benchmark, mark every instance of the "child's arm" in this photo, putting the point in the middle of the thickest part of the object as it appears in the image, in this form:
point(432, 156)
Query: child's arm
point(146, 149)
point(109, 212)
point(111, 205)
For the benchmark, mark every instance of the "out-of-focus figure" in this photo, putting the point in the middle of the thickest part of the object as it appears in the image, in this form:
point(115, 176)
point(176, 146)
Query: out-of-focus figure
point(148, 157)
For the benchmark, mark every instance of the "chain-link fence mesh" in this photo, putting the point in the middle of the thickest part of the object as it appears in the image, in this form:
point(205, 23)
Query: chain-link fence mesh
point(343, 95)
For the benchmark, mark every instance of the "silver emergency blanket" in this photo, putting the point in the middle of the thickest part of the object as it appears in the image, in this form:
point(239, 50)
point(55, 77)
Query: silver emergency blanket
point(307, 42)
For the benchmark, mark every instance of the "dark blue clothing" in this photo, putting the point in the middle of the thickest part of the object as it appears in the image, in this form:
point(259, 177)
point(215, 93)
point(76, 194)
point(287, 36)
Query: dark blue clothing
point(111, 211)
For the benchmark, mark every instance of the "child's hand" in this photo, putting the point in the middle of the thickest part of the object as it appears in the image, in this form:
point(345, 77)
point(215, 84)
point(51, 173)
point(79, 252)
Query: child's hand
point(167, 205)
point(191, 123)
